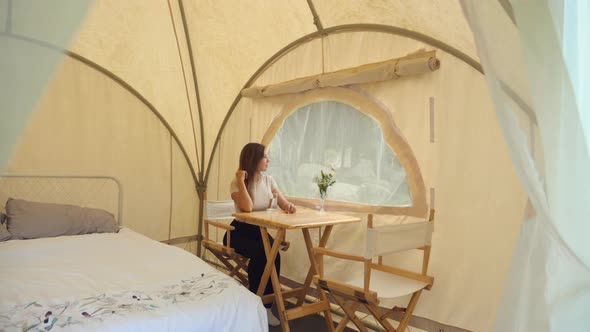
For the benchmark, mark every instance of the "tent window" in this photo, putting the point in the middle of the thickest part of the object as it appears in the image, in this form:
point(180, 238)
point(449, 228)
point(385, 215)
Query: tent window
point(328, 133)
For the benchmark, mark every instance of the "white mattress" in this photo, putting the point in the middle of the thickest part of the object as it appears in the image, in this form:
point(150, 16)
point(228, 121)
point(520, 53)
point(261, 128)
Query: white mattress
point(118, 282)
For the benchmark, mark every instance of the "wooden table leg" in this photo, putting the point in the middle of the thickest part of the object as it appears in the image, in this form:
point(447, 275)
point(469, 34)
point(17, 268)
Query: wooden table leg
point(314, 268)
point(271, 254)
point(311, 272)
point(305, 287)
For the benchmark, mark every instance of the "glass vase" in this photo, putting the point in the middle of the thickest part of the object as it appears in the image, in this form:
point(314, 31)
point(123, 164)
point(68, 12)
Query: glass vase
point(322, 201)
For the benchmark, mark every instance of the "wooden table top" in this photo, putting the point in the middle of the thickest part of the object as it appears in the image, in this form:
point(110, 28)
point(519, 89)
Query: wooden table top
point(302, 219)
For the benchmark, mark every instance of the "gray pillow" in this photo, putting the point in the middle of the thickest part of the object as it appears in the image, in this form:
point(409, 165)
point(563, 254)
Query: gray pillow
point(32, 220)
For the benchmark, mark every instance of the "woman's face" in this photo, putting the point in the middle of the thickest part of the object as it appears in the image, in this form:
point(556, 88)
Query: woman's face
point(263, 163)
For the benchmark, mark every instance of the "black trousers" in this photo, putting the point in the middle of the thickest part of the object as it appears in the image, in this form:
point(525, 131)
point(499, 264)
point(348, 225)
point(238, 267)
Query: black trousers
point(247, 241)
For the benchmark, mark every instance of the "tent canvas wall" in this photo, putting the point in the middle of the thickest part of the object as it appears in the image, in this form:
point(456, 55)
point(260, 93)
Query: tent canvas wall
point(149, 92)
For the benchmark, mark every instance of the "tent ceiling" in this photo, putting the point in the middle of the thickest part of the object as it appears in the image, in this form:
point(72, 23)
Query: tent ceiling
point(442, 20)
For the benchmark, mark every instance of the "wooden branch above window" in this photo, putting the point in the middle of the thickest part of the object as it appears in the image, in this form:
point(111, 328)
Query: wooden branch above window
point(417, 63)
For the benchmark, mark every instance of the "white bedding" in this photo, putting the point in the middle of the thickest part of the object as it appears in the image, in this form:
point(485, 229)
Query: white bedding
point(118, 282)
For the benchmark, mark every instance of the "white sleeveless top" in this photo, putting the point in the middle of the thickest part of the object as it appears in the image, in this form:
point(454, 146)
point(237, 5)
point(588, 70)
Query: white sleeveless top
point(260, 192)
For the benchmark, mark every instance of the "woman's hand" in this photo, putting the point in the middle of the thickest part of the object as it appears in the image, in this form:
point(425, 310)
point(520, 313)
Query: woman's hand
point(290, 208)
point(241, 175)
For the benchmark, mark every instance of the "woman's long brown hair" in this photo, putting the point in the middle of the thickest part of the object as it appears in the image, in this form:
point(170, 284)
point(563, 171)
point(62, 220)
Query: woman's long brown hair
point(250, 156)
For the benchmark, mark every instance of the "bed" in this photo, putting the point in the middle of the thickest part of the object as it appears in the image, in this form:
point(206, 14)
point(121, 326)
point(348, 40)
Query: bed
point(117, 282)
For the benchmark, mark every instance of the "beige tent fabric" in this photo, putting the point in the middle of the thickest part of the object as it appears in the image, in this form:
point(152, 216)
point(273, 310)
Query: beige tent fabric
point(476, 222)
point(239, 128)
point(85, 125)
point(442, 20)
point(236, 135)
point(337, 59)
point(135, 40)
point(305, 57)
point(415, 64)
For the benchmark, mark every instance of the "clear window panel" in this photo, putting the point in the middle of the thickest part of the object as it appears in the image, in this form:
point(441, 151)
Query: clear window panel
point(329, 134)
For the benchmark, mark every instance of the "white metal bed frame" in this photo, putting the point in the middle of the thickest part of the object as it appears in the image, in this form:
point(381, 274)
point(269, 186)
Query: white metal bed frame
point(102, 192)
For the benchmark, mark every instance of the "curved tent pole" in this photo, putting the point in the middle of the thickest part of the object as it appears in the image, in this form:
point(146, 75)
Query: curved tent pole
point(333, 30)
point(195, 81)
point(201, 185)
point(143, 100)
point(316, 17)
point(117, 79)
point(186, 89)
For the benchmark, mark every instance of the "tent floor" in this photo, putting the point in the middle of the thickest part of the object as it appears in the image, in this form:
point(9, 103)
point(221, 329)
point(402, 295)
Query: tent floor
point(314, 323)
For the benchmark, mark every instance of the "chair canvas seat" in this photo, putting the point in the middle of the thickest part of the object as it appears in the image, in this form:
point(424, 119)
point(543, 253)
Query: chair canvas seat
point(389, 286)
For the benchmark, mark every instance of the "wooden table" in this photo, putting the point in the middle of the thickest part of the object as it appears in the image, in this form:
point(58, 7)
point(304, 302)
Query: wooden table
point(282, 222)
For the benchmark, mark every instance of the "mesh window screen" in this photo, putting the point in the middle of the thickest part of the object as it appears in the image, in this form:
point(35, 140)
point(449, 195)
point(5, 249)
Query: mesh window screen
point(332, 133)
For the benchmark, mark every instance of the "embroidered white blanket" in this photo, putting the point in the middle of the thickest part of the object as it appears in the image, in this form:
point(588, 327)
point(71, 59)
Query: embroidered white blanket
point(118, 282)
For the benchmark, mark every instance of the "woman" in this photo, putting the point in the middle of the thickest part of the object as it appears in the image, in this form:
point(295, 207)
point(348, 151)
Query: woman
point(252, 190)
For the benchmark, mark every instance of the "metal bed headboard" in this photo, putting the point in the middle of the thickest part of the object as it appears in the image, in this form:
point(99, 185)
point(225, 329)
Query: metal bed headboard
point(101, 192)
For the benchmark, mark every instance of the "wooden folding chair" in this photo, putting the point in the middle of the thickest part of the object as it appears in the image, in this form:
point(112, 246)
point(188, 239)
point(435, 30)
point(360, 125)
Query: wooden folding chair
point(382, 281)
point(236, 264)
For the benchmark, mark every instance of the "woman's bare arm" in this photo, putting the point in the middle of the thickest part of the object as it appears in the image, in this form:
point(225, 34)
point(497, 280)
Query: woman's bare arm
point(283, 202)
point(242, 197)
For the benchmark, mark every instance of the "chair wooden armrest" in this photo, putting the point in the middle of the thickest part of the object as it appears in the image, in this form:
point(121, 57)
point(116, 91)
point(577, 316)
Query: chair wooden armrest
point(220, 225)
point(226, 250)
point(328, 252)
point(228, 228)
point(348, 291)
